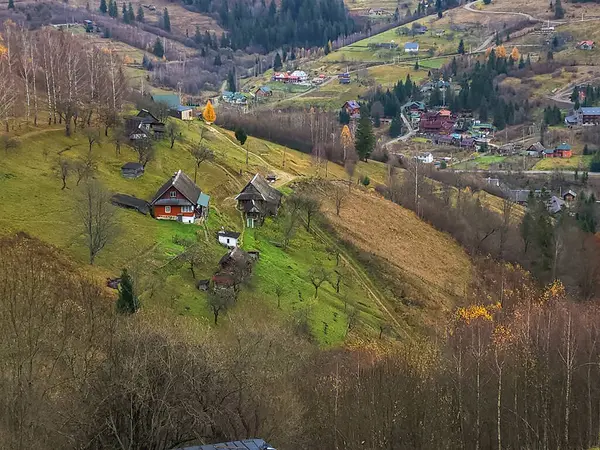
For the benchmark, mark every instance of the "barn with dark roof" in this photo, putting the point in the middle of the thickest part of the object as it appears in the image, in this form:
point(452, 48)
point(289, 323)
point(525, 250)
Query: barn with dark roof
point(258, 200)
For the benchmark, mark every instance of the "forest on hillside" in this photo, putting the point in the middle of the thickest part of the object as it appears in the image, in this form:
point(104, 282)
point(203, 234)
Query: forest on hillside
point(295, 23)
point(515, 367)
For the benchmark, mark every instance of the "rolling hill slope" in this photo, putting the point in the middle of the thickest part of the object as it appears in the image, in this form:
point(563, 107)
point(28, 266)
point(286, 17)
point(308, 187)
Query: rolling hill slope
point(149, 247)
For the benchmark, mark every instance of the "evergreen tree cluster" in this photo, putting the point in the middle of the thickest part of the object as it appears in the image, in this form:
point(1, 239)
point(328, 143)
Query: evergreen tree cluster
point(552, 115)
point(479, 94)
point(586, 213)
point(392, 100)
point(590, 93)
point(299, 23)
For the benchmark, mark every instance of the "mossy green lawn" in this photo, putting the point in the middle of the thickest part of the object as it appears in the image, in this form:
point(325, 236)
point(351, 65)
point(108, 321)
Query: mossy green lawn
point(35, 203)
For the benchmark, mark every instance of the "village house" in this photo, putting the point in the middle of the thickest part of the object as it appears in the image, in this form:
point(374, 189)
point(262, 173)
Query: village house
point(234, 98)
point(235, 266)
point(414, 106)
point(519, 196)
point(176, 109)
point(536, 150)
point(434, 123)
point(555, 204)
point(352, 108)
point(228, 238)
point(258, 200)
point(420, 29)
point(585, 45)
point(411, 47)
point(344, 78)
point(143, 125)
point(569, 196)
point(297, 76)
point(561, 151)
point(183, 112)
point(263, 92)
point(132, 170)
point(180, 199)
point(425, 158)
point(482, 128)
point(585, 115)
point(245, 444)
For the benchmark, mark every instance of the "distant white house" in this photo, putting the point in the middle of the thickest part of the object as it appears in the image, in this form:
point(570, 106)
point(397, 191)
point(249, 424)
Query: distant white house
point(411, 47)
point(425, 158)
point(300, 75)
point(228, 238)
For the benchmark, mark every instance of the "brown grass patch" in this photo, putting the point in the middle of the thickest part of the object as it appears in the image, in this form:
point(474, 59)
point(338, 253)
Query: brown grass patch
point(421, 266)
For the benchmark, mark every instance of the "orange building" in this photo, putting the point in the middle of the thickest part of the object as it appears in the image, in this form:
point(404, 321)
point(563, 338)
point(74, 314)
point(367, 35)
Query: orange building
point(180, 199)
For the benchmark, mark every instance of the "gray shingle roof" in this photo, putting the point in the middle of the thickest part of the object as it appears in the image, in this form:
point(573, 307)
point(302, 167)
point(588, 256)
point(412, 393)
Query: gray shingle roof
point(229, 234)
point(246, 444)
point(132, 166)
point(183, 184)
point(262, 191)
point(128, 201)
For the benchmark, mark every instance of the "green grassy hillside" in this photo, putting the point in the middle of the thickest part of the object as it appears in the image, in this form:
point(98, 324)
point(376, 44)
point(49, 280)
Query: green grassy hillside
point(148, 247)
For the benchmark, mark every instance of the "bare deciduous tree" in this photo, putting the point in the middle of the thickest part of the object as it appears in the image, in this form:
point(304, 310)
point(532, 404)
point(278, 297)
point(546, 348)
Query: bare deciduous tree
point(62, 169)
point(97, 215)
point(173, 132)
point(194, 253)
point(317, 276)
point(8, 144)
point(145, 150)
point(339, 195)
point(220, 300)
point(84, 168)
point(93, 137)
point(279, 291)
point(200, 153)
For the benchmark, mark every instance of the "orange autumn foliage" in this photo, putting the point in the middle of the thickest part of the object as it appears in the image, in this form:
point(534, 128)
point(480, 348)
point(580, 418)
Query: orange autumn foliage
point(501, 51)
point(514, 54)
point(209, 113)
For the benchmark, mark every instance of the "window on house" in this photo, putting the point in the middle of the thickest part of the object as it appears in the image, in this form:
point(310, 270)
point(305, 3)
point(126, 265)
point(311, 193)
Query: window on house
point(173, 194)
point(167, 209)
point(187, 209)
point(228, 241)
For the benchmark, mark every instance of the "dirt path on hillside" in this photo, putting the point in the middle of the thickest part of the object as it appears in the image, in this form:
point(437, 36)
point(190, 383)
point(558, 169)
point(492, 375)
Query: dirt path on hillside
point(38, 132)
point(363, 280)
point(282, 176)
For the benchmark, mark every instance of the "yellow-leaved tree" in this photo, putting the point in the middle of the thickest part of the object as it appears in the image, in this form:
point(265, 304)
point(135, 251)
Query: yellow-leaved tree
point(346, 140)
point(500, 52)
point(488, 51)
point(209, 113)
point(515, 55)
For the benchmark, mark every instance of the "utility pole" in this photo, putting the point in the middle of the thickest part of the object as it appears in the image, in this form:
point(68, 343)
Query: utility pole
point(416, 186)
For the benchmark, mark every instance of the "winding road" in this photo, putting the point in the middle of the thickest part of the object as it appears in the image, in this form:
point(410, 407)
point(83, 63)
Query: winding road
point(469, 7)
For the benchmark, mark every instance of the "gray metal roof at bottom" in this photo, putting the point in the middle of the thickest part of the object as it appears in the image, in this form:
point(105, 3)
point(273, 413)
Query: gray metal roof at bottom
point(246, 444)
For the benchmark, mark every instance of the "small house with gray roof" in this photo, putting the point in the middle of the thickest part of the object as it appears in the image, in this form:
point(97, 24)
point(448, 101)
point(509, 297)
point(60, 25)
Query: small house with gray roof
point(258, 200)
point(180, 199)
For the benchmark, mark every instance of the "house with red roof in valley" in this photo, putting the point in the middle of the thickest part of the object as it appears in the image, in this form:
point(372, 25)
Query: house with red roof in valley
point(435, 123)
point(352, 108)
point(586, 45)
point(297, 76)
point(180, 199)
